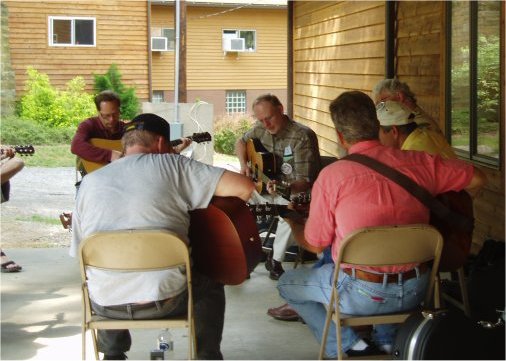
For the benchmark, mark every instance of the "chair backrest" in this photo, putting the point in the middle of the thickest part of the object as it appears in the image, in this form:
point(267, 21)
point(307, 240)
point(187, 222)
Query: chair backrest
point(393, 245)
point(134, 250)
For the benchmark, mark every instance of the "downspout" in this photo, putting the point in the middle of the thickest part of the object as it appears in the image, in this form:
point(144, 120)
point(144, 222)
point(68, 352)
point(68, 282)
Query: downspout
point(289, 77)
point(150, 81)
point(176, 66)
point(390, 20)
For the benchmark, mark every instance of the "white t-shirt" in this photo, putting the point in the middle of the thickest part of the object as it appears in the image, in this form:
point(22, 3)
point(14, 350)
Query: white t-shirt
point(141, 191)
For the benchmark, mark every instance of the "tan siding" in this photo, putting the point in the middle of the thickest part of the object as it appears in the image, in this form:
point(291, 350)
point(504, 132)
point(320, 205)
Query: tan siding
point(121, 38)
point(208, 67)
point(335, 45)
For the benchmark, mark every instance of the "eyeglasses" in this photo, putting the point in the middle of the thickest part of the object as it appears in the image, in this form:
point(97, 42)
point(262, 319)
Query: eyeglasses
point(110, 116)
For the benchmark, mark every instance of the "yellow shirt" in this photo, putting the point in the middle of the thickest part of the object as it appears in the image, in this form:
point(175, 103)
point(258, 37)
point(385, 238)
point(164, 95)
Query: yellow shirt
point(430, 141)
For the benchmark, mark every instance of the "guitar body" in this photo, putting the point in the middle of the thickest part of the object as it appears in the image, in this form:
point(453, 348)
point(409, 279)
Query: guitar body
point(262, 163)
point(110, 144)
point(224, 240)
point(457, 242)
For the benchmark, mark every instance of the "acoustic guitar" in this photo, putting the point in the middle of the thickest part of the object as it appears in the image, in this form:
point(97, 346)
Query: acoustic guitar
point(23, 149)
point(90, 166)
point(224, 239)
point(263, 168)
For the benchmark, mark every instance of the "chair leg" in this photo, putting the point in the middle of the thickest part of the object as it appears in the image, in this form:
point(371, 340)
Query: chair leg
point(95, 347)
point(83, 343)
point(330, 311)
point(463, 292)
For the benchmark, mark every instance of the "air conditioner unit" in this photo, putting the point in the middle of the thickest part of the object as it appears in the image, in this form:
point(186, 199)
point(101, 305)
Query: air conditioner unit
point(158, 43)
point(234, 44)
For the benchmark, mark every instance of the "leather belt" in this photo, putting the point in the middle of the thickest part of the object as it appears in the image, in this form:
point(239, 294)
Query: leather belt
point(391, 277)
point(138, 306)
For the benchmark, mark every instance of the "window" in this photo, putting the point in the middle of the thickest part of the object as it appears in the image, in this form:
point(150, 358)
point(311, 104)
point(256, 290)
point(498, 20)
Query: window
point(71, 31)
point(249, 37)
point(165, 33)
point(235, 101)
point(474, 68)
point(157, 96)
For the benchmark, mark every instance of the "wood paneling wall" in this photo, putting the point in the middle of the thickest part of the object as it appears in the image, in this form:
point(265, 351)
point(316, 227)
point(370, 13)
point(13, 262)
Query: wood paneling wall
point(208, 67)
point(339, 46)
point(121, 38)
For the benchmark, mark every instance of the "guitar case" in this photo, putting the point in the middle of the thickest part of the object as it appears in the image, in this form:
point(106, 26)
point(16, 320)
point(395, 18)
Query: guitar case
point(447, 335)
point(224, 239)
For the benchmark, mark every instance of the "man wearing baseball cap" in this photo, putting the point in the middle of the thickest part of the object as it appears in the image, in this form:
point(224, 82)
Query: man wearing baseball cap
point(399, 129)
point(151, 187)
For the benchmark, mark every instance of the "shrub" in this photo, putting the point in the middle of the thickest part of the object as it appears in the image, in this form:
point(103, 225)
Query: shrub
point(227, 130)
point(111, 80)
point(17, 131)
point(46, 105)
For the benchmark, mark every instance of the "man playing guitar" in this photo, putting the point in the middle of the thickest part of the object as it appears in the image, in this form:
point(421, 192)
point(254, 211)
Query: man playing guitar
point(296, 155)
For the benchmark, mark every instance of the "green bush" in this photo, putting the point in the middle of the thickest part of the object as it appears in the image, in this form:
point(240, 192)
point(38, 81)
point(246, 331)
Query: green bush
point(46, 105)
point(111, 80)
point(227, 130)
point(16, 131)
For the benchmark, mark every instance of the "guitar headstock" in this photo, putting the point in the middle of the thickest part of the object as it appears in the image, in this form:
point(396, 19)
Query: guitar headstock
point(24, 149)
point(201, 137)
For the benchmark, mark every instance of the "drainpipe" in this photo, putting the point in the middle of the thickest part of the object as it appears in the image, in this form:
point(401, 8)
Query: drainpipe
point(176, 66)
point(150, 80)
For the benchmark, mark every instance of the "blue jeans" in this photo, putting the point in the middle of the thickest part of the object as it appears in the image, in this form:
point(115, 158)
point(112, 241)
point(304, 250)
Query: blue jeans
point(309, 290)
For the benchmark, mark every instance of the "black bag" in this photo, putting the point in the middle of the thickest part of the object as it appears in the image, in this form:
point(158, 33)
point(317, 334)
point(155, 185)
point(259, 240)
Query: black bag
point(447, 335)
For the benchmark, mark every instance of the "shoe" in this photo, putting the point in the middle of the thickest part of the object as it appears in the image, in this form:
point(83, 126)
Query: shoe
point(66, 220)
point(119, 356)
point(276, 270)
point(370, 350)
point(9, 266)
point(283, 313)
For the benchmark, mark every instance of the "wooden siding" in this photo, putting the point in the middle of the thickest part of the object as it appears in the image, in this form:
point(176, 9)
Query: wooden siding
point(339, 46)
point(121, 38)
point(208, 68)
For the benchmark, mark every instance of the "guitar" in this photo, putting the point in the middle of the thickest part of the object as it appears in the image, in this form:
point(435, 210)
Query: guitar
point(263, 168)
point(224, 240)
point(90, 166)
point(23, 149)
point(298, 210)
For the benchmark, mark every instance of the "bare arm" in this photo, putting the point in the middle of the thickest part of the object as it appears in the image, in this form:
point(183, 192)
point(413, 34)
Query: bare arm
point(240, 151)
point(233, 184)
point(477, 182)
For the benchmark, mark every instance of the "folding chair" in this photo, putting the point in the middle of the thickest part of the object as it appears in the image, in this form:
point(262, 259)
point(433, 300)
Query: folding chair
point(383, 246)
point(139, 251)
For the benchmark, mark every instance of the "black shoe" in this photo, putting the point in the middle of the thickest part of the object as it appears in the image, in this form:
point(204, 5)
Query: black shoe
point(118, 356)
point(276, 271)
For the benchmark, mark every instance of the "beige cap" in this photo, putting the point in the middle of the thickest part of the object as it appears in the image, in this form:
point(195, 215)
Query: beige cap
point(393, 113)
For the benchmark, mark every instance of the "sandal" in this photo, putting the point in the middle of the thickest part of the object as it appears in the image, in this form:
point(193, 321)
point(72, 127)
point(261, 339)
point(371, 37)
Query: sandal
point(14, 266)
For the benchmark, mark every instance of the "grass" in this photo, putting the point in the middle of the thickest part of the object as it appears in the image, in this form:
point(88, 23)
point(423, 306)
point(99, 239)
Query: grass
point(39, 219)
point(51, 156)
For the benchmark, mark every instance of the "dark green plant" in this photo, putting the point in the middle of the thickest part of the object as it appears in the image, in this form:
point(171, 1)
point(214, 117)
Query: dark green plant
point(227, 131)
point(111, 80)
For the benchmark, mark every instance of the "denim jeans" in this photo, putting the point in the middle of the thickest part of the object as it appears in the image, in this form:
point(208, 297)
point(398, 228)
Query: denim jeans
point(309, 290)
point(209, 313)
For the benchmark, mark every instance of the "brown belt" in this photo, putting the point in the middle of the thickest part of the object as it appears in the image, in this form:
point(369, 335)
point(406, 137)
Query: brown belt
point(391, 277)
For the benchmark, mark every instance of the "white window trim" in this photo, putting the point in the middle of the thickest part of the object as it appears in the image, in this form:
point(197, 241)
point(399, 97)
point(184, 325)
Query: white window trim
point(237, 31)
point(72, 35)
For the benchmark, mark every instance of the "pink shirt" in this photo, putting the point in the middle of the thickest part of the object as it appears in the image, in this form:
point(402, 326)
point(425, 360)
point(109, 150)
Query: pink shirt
point(348, 196)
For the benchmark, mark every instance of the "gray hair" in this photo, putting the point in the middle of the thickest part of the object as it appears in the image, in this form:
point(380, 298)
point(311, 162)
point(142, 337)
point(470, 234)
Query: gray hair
point(391, 86)
point(138, 137)
point(354, 115)
point(269, 98)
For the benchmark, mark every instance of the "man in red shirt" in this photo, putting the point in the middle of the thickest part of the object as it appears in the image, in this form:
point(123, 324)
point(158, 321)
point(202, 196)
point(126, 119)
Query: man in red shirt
point(348, 196)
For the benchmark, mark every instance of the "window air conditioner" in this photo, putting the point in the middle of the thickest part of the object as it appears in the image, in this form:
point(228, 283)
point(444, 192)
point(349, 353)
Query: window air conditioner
point(158, 43)
point(234, 44)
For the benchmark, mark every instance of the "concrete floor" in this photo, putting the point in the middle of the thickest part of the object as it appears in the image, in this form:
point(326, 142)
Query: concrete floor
point(41, 316)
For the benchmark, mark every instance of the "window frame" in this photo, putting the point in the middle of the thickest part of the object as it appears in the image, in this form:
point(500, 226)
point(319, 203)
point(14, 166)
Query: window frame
point(158, 93)
point(237, 35)
point(245, 101)
point(51, 18)
point(472, 154)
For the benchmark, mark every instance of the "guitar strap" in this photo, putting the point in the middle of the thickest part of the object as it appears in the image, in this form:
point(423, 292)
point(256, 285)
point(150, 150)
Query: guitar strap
point(435, 206)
